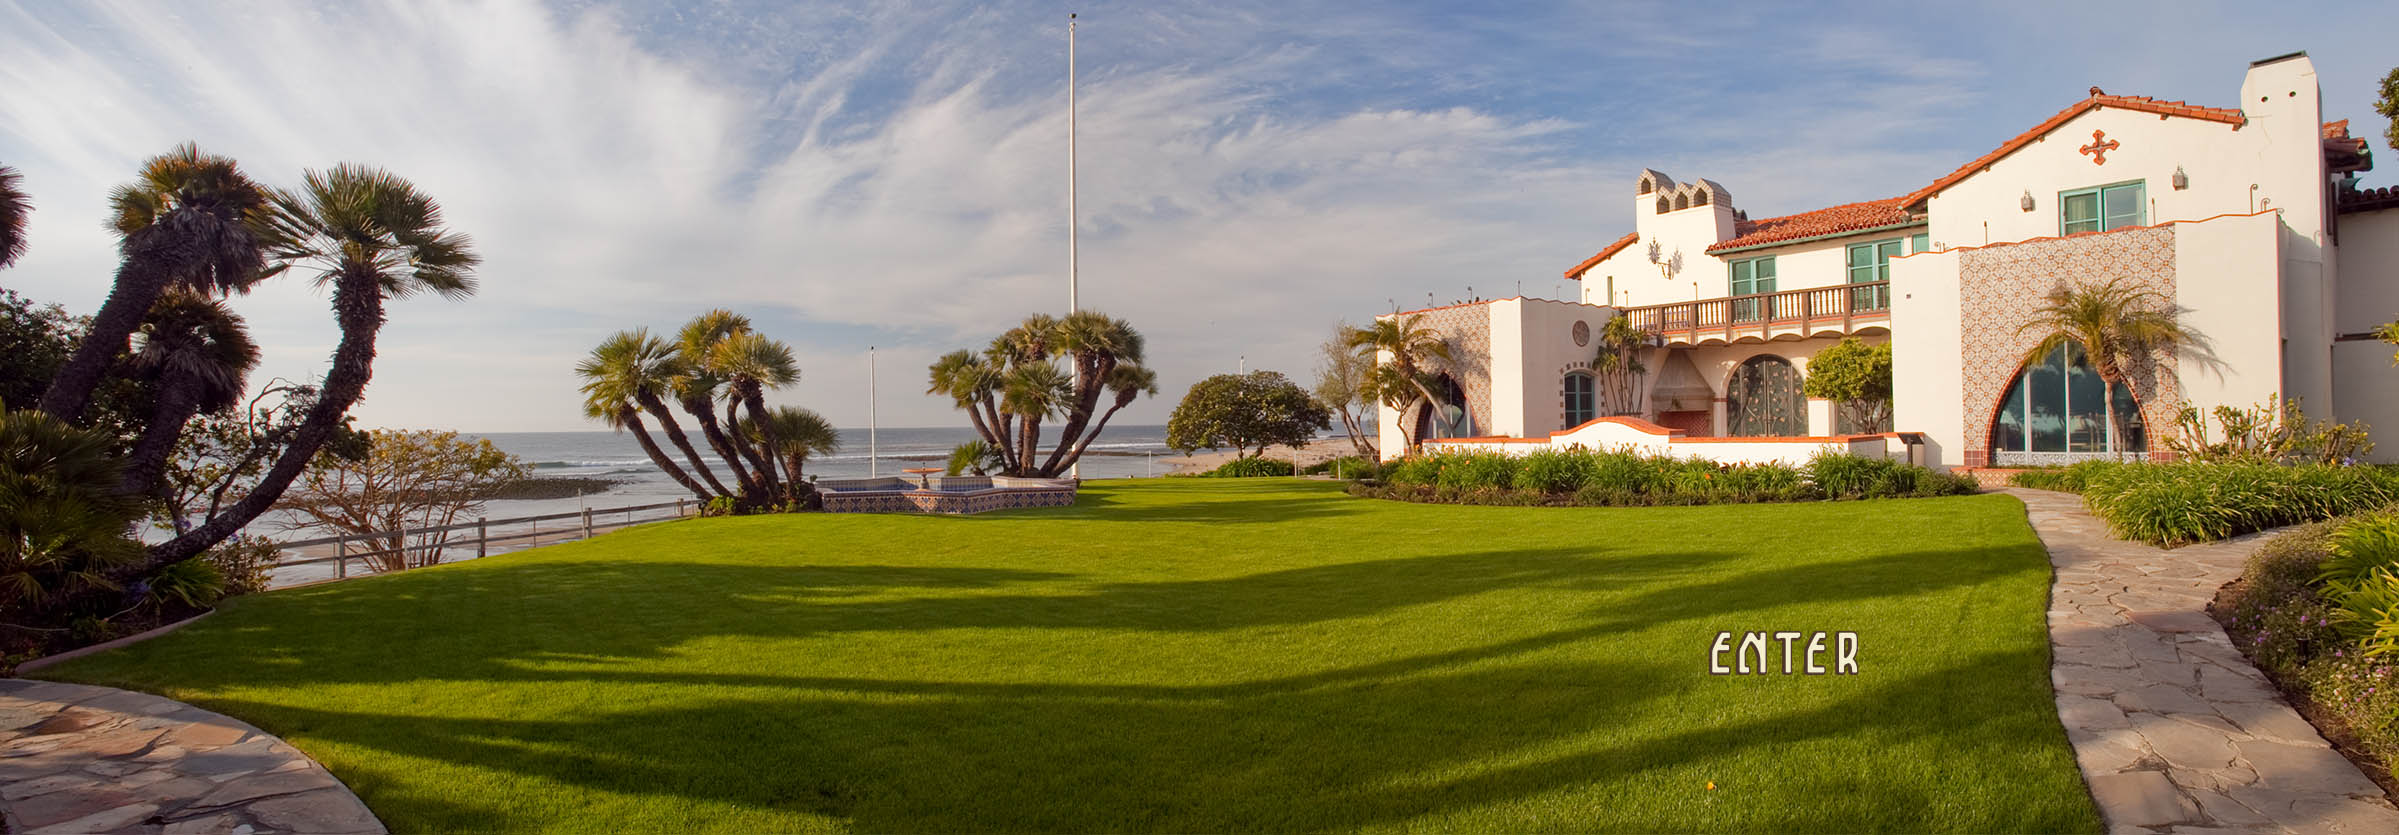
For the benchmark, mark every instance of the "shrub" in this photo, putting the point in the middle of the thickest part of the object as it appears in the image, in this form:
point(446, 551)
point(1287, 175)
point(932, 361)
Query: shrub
point(2325, 640)
point(2274, 612)
point(1348, 466)
point(1554, 471)
point(1250, 468)
point(2181, 503)
point(2366, 610)
point(1478, 470)
point(195, 583)
point(2070, 479)
point(2360, 546)
point(1845, 476)
point(247, 563)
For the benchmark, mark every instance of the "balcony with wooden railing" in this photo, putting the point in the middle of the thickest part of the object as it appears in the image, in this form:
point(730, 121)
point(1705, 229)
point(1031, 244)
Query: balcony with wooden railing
point(1838, 310)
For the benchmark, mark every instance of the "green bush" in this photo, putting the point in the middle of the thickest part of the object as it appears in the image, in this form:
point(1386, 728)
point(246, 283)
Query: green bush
point(247, 563)
point(2181, 503)
point(2326, 640)
point(194, 583)
point(2069, 479)
point(2359, 547)
point(1347, 466)
point(2273, 611)
point(1616, 478)
point(1250, 468)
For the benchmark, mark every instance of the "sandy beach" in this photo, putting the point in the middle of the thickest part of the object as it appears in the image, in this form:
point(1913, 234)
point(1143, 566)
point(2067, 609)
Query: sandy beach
point(1318, 450)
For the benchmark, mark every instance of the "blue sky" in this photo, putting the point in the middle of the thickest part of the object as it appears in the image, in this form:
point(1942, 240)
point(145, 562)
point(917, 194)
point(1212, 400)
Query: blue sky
point(893, 174)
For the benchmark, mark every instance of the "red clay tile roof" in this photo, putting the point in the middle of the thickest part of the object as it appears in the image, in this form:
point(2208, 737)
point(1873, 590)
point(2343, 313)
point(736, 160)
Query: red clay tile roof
point(2097, 100)
point(2339, 131)
point(1593, 261)
point(2370, 199)
point(1852, 217)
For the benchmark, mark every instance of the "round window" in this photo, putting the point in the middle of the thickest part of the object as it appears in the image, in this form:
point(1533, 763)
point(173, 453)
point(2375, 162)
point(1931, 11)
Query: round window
point(1582, 334)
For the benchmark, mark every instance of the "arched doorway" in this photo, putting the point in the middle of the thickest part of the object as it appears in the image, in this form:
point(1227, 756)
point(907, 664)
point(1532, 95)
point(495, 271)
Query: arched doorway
point(1762, 399)
point(1446, 416)
point(2055, 412)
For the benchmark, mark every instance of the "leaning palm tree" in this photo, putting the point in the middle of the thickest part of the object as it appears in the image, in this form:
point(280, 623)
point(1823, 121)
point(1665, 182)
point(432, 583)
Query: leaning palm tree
point(973, 383)
point(197, 354)
point(697, 385)
point(372, 236)
point(1126, 382)
point(190, 219)
point(616, 377)
point(1095, 345)
point(14, 207)
point(750, 364)
point(2120, 326)
point(1399, 382)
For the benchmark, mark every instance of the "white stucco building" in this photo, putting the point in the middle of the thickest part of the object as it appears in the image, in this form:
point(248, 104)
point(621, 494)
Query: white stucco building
point(2244, 216)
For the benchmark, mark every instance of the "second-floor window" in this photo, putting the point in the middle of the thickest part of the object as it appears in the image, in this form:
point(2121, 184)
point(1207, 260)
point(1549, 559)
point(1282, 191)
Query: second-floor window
point(1751, 276)
point(1871, 262)
point(2102, 208)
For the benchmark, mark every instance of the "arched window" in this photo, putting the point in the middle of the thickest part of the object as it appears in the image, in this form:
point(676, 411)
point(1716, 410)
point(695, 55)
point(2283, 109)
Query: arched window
point(1582, 401)
point(1762, 399)
point(1445, 417)
point(2054, 411)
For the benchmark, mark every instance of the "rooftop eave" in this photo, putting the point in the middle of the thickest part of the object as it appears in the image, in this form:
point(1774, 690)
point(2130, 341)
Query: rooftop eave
point(1910, 224)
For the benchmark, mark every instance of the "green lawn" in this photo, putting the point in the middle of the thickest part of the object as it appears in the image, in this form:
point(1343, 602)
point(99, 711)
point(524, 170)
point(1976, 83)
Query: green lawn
point(1175, 655)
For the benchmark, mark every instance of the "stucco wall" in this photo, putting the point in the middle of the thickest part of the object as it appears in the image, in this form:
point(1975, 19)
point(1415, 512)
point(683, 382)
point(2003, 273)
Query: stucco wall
point(2365, 384)
point(1928, 393)
point(1467, 330)
point(2224, 275)
point(1547, 351)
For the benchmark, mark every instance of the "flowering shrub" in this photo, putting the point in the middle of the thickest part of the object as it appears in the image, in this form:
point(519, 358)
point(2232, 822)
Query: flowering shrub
point(2326, 639)
point(1617, 478)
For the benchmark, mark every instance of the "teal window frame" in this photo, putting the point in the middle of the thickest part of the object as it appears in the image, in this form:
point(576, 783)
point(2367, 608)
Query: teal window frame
point(1920, 242)
point(1871, 262)
point(1581, 390)
point(2109, 207)
point(1745, 279)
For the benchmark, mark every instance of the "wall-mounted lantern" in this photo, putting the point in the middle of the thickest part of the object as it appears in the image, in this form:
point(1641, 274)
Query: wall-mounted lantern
point(2026, 202)
point(2181, 180)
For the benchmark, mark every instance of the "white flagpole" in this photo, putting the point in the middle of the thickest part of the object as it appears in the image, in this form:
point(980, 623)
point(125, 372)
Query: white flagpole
point(1074, 299)
point(873, 455)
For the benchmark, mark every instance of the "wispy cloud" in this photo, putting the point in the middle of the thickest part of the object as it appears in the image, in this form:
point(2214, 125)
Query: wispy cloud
point(894, 175)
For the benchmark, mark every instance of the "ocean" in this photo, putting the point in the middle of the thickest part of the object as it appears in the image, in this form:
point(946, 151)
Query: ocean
point(1120, 452)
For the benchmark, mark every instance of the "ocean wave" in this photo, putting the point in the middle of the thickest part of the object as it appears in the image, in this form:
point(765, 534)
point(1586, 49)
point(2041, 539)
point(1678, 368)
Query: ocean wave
point(612, 462)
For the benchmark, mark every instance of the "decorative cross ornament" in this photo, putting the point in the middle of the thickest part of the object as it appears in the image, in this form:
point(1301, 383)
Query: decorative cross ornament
point(2099, 147)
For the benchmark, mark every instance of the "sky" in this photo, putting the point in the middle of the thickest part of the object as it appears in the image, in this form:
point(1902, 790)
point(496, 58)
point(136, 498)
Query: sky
point(894, 174)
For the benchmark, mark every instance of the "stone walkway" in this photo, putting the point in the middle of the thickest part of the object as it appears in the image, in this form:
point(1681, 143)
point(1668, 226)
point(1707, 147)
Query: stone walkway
point(2173, 729)
point(82, 759)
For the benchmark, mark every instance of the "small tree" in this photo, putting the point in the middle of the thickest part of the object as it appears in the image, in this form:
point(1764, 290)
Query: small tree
point(2389, 333)
point(1856, 376)
point(2119, 325)
point(1244, 412)
point(1341, 382)
point(2387, 104)
point(1618, 365)
point(406, 480)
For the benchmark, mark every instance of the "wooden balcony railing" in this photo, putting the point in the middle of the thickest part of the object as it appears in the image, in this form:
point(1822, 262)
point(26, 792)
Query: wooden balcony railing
point(1762, 314)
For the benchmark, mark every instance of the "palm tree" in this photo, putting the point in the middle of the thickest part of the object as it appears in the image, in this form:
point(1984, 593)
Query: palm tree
point(62, 520)
point(189, 219)
point(1127, 382)
point(696, 387)
point(196, 352)
point(615, 377)
point(372, 236)
point(973, 383)
point(750, 364)
point(1094, 345)
point(2120, 326)
point(800, 434)
point(14, 207)
point(976, 457)
point(1618, 363)
point(1400, 382)
point(1033, 392)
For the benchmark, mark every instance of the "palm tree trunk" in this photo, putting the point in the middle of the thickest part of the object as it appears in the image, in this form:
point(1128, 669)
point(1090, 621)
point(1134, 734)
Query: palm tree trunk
point(358, 307)
point(631, 418)
point(1031, 446)
point(698, 407)
point(140, 280)
point(674, 434)
point(1087, 400)
point(178, 400)
point(1094, 434)
point(1415, 413)
point(754, 396)
point(1003, 433)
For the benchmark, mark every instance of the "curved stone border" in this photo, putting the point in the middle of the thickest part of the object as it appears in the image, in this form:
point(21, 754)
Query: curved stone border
point(76, 758)
point(104, 646)
point(2173, 729)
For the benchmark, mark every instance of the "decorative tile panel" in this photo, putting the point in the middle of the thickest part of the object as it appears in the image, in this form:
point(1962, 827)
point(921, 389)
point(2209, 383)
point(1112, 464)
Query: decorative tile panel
point(2000, 287)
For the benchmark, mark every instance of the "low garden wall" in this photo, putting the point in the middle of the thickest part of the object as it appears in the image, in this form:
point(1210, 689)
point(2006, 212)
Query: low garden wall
point(1648, 439)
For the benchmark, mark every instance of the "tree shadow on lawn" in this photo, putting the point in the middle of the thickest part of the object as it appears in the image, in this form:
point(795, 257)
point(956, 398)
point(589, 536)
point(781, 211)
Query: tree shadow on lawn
point(1333, 755)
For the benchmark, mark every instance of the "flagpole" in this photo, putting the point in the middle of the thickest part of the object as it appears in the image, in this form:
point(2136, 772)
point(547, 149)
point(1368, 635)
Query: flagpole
point(872, 452)
point(1074, 298)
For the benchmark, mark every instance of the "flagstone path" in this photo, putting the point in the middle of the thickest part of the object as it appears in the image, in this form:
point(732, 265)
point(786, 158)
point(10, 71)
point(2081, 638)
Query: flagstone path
point(75, 758)
point(2175, 731)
